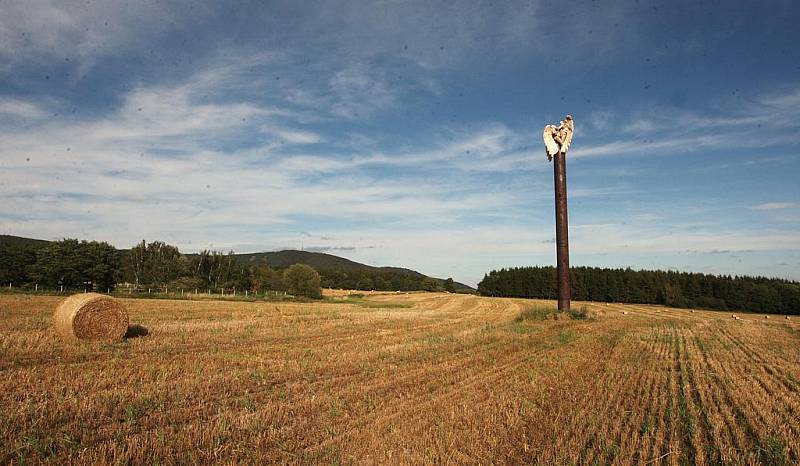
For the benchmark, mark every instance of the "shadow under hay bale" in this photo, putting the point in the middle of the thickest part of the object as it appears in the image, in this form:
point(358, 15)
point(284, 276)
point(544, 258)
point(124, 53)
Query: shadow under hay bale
point(91, 316)
point(136, 331)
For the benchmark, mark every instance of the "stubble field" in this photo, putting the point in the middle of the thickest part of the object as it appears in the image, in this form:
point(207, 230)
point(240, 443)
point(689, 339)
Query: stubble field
point(395, 378)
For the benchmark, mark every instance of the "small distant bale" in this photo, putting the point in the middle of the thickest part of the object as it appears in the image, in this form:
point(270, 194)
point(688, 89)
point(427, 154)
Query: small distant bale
point(787, 317)
point(766, 317)
point(733, 315)
point(693, 311)
point(625, 313)
point(91, 316)
point(737, 318)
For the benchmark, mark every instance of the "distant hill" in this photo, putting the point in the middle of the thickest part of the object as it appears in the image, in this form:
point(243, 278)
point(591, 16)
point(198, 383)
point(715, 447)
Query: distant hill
point(322, 261)
point(275, 259)
point(23, 242)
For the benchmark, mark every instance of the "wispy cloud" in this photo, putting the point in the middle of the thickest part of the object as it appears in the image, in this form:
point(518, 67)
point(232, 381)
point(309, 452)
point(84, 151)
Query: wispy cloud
point(774, 205)
point(20, 109)
point(771, 121)
point(76, 34)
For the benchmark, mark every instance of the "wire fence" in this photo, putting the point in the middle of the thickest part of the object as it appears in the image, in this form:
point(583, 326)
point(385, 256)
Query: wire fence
point(144, 292)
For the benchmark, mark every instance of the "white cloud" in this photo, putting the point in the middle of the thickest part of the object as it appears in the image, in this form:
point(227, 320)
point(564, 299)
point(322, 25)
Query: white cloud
point(359, 91)
point(773, 121)
point(774, 205)
point(16, 108)
point(77, 33)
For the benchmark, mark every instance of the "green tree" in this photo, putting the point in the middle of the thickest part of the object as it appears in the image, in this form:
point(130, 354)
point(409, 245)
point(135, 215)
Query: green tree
point(15, 262)
point(77, 264)
point(302, 280)
point(430, 284)
point(155, 263)
point(365, 283)
point(449, 286)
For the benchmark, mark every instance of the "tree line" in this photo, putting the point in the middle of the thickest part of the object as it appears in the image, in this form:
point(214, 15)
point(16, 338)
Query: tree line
point(383, 280)
point(675, 289)
point(93, 265)
point(99, 266)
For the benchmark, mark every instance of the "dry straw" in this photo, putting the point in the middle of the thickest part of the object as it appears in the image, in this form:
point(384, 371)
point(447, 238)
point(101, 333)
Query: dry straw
point(91, 316)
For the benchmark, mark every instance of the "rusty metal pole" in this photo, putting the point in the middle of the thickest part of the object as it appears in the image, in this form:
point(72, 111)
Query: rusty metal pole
point(562, 231)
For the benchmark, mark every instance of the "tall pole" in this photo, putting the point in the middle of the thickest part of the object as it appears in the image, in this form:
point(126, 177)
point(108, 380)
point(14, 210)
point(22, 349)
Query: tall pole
point(562, 230)
point(557, 140)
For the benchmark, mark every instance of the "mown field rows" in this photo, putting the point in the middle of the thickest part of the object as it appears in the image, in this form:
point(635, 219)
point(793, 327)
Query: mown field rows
point(401, 378)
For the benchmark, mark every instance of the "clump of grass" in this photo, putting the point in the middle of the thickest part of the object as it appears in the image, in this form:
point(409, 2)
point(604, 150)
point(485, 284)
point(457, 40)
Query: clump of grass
point(581, 313)
point(518, 327)
point(773, 452)
point(566, 336)
point(248, 403)
point(359, 300)
point(382, 305)
point(536, 313)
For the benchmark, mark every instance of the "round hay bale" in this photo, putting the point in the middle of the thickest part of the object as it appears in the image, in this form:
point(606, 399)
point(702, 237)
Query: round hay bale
point(91, 316)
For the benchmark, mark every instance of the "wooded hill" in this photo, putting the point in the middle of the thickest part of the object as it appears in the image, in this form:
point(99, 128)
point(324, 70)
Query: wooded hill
point(74, 263)
point(340, 271)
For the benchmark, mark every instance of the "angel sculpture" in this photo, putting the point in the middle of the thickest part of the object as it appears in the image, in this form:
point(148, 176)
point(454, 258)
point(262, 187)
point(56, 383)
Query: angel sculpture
point(558, 138)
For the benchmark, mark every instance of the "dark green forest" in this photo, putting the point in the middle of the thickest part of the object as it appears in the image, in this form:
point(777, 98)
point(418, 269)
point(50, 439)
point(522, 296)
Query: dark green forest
point(676, 289)
point(92, 265)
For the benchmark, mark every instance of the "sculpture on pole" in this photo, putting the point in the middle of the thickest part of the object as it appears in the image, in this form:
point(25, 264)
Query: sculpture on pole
point(557, 140)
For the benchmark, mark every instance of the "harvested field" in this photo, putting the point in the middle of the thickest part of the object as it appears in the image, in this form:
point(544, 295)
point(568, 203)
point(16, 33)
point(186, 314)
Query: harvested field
point(399, 378)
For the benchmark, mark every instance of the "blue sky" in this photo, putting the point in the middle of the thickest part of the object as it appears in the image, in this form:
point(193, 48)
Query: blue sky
point(408, 133)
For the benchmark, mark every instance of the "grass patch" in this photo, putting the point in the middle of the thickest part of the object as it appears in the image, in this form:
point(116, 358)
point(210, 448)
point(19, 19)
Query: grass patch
point(581, 313)
point(773, 451)
point(519, 327)
point(139, 408)
point(358, 300)
point(794, 381)
point(376, 305)
point(611, 339)
point(248, 403)
point(536, 313)
point(566, 336)
point(439, 339)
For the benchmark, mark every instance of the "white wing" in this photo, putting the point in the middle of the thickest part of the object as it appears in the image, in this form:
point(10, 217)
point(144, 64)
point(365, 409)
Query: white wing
point(550, 144)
